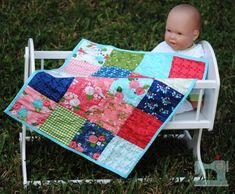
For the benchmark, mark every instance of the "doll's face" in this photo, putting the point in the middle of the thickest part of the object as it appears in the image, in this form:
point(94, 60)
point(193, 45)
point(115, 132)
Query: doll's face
point(180, 30)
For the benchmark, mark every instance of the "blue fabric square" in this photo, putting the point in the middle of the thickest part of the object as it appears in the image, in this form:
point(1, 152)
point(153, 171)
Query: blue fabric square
point(120, 155)
point(155, 65)
point(160, 100)
point(92, 139)
point(112, 72)
point(51, 87)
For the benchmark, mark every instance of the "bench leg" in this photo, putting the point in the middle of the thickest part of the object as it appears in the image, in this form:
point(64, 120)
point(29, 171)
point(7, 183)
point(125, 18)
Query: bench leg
point(22, 141)
point(196, 145)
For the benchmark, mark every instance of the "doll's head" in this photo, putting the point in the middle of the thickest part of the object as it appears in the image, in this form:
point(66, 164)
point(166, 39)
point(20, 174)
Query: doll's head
point(182, 26)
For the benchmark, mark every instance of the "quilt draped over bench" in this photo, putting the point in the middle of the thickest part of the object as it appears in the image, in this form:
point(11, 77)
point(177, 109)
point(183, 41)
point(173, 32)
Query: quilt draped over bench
point(107, 104)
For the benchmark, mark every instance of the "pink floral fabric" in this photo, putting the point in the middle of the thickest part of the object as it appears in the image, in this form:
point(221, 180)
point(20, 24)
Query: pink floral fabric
point(111, 112)
point(84, 93)
point(33, 107)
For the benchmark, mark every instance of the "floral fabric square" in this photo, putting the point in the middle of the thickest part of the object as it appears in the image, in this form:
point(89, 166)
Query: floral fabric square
point(78, 68)
point(91, 140)
point(62, 125)
point(126, 60)
point(132, 89)
point(112, 72)
point(160, 100)
point(139, 128)
point(186, 68)
point(32, 107)
point(111, 112)
point(92, 53)
point(84, 93)
point(50, 86)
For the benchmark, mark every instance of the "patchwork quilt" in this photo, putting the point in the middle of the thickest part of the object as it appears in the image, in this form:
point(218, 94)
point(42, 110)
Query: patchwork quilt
point(107, 104)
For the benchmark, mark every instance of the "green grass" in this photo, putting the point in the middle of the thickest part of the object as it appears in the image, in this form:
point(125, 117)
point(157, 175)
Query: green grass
point(136, 25)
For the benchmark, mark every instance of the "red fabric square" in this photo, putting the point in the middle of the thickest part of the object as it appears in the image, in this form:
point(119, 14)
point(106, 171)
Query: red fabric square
point(186, 68)
point(139, 128)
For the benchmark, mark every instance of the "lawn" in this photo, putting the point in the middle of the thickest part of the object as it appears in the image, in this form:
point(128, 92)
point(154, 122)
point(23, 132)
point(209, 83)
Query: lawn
point(127, 24)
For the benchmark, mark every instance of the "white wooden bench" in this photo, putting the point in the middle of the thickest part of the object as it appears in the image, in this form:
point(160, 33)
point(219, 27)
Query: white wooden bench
point(196, 121)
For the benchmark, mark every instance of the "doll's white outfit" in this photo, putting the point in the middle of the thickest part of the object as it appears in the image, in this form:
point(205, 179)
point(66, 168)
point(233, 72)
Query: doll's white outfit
point(195, 51)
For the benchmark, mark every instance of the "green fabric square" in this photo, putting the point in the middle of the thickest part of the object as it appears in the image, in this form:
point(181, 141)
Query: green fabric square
point(124, 59)
point(62, 124)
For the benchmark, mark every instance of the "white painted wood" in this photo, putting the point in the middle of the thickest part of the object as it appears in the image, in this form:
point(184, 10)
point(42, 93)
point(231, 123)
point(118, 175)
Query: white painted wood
point(211, 95)
point(51, 54)
point(198, 110)
point(31, 56)
point(103, 181)
point(42, 64)
point(26, 64)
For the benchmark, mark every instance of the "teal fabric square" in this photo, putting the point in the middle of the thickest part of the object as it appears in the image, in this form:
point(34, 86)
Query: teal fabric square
point(155, 65)
point(132, 89)
point(120, 155)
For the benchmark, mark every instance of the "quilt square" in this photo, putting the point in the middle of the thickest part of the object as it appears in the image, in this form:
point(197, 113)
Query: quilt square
point(112, 72)
point(178, 84)
point(132, 89)
point(84, 93)
point(91, 140)
point(125, 60)
point(120, 155)
point(95, 54)
point(155, 65)
point(111, 112)
point(186, 68)
point(78, 68)
point(139, 128)
point(160, 100)
point(32, 107)
point(51, 87)
point(62, 125)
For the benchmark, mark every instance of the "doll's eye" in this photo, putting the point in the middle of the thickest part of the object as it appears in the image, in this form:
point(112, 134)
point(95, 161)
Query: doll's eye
point(168, 30)
point(179, 33)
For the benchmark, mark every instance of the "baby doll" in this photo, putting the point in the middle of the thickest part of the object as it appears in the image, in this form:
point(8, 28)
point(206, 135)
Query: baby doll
point(182, 30)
